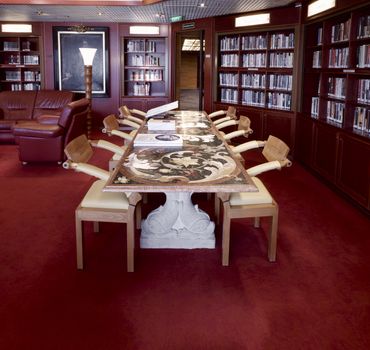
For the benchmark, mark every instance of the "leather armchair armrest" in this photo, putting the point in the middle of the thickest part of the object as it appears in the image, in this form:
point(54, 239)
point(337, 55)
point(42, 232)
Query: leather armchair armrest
point(49, 119)
point(38, 130)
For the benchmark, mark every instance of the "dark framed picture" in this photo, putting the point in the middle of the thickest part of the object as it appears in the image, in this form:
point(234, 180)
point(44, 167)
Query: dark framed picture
point(68, 62)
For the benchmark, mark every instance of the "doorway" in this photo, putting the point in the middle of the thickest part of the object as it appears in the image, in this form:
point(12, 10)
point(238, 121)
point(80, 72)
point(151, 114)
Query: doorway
point(189, 70)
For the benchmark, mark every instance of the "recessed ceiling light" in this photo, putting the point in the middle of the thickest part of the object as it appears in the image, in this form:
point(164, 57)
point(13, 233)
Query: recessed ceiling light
point(100, 13)
point(202, 4)
point(160, 15)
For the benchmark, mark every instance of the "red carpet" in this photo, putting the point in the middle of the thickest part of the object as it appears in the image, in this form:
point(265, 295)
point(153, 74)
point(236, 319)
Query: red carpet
point(316, 296)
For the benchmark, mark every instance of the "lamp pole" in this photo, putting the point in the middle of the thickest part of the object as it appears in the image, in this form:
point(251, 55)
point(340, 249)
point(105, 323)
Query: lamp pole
point(88, 55)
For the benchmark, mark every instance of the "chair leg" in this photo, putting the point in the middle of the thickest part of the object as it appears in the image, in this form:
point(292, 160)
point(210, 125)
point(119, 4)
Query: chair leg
point(225, 238)
point(138, 215)
point(257, 222)
point(217, 209)
point(79, 243)
point(272, 243)
point(130, 245)
point(96, 226)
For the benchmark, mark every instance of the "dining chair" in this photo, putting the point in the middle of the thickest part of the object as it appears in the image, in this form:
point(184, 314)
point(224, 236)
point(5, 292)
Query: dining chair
point(229, 113)
point(98, 206)
point(254, 204)
point(243, 124)
point(126, 113)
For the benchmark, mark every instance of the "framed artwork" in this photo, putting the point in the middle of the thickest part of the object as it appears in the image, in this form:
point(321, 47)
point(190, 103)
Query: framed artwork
point(68, 62)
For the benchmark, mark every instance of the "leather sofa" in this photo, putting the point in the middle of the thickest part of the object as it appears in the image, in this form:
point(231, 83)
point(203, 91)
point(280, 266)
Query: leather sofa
point(18, 106)
point(44, 141)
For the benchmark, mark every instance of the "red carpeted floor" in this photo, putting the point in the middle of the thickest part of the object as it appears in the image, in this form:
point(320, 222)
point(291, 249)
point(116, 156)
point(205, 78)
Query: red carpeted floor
point(316, 296)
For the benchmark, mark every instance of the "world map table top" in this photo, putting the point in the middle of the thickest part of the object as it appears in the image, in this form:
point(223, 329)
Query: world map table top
point(204, 162)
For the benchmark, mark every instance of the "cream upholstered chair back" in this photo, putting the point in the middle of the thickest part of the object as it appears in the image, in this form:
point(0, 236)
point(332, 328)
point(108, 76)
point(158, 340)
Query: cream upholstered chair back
point(275, 149)
point(244, 123)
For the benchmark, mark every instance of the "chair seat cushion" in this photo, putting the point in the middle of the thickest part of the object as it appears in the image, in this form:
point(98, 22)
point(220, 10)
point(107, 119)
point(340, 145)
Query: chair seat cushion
point(245, 198)
point(96, 198)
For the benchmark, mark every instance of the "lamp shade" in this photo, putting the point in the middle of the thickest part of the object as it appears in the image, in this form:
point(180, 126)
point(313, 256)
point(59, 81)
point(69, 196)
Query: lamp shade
point(87, 55)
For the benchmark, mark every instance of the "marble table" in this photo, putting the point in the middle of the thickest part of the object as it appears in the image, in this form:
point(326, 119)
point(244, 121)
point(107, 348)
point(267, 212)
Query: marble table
point(204, 163)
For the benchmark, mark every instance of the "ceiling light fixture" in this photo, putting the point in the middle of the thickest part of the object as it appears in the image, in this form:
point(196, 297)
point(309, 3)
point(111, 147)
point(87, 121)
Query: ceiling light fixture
point(319, 6)
point(144, 30)
point(252, 20)
point(16, 28)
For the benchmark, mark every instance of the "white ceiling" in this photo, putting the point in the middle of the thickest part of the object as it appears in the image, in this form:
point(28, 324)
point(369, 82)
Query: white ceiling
point(189, 9)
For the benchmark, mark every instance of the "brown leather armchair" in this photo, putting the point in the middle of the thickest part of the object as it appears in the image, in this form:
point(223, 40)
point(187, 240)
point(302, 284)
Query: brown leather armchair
point(45, 142)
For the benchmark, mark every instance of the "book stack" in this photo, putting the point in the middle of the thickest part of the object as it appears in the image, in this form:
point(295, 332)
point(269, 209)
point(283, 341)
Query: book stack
point(158, 140)
point(161, 124)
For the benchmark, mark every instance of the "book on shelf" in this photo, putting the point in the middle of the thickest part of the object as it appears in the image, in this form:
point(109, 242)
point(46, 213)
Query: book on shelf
point(254, 80)
point(158, 140)
point(337, 87)
point(161, 124)
point(363, 56)
point(315, 107)
point(364, 27)
point(340, 31)
point(254, 60)
point(338, 58)
point(361, 120)
point(254, 42)
point(363, 92)
point(317, 59)
point(319, 36)
point(282, 41)
point(281, 59)
point(229, 44)
point(335, 112)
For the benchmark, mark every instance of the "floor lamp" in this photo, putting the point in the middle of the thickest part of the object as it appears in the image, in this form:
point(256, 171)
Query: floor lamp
point(88, 57)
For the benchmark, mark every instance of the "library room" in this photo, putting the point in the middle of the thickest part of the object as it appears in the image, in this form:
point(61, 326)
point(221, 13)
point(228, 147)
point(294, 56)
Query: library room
point(185, 174)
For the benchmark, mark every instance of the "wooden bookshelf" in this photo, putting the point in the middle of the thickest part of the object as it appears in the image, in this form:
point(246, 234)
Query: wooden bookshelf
point(333, 131)
point(20, 62)
point(256, 72)
point(144, 74)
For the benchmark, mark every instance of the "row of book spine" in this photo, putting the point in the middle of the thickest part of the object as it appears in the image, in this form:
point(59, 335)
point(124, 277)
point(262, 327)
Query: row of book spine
point(257, 42)
point(254, 42)
point(253, 98)
point(363, 92)
point(26, 59)
point(27, 76)
point(276, 81)
point(340, 31)
point(279, 100)
point(363, 56)
point(229, 44)
point(229, 95)
point(338, 58)
point(361, 119)
point(282, 41)
point(141, 60)
point(28, 86)
point(141, 46)
point(335, 111)
point(146, 75)
point(337, 87)
point(364, 27)
point(229, 79)
point(141, 89)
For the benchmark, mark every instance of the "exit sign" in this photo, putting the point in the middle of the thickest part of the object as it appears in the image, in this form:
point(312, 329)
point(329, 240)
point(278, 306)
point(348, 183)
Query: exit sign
point(176, 18)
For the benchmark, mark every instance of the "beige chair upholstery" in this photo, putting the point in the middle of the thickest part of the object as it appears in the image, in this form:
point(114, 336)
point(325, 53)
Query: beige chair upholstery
point(99, 206)
point(254, 204)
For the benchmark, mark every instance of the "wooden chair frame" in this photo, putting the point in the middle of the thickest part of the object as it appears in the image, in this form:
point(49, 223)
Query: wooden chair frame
point(78, 152)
